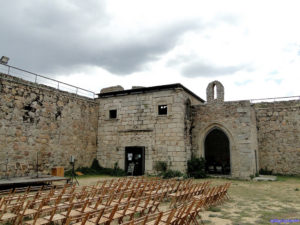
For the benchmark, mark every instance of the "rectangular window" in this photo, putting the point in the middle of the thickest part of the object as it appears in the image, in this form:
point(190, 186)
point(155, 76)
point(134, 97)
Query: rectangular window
point(162, 110)
point(113, 114)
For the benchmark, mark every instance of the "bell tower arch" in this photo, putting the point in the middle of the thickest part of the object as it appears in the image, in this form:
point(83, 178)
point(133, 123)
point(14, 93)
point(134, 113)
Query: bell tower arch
point(215, 92)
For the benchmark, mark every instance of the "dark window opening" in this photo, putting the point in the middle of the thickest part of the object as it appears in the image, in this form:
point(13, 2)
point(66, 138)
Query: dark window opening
point(162, 110)
point(113, 114)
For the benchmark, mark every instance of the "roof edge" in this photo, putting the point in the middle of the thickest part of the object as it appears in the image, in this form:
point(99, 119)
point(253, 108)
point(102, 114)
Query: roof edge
point(149, 89)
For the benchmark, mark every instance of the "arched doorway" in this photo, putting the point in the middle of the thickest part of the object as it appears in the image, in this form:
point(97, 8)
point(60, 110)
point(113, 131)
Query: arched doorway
point(217, 152)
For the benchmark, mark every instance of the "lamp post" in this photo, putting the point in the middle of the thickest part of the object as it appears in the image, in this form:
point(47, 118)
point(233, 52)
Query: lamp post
point(4, 60)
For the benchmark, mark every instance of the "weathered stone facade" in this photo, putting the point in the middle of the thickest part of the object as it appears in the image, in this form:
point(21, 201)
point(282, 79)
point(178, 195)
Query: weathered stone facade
point(278, 130)
point(169, 122)
point(39, 119)
point(237, 121)
point(165, 137)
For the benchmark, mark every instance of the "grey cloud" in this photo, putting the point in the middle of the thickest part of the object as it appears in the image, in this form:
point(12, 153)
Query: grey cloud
point(49, 37)
point(199, 69)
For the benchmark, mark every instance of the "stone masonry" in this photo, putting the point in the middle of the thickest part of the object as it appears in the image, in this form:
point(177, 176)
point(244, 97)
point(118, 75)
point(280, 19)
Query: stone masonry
point(165, 137)
point(237, 121)
point(39, 119)
point(278, 130)
point(56, 124)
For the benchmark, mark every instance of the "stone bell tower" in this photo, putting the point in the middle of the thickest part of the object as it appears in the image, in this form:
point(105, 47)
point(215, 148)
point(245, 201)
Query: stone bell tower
point(211, 96)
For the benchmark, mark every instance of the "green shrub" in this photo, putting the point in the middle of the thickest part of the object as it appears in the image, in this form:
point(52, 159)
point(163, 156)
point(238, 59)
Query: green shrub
point(117, 171)
point(171, 174)
point(161, 166)
point(87, 170)
point(95, 165)
point(196, 167)
point(265, 171)
point(68, 173)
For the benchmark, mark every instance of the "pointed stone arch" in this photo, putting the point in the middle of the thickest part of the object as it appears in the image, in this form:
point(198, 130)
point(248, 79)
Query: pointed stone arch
point(217, 152)
point(216, 125)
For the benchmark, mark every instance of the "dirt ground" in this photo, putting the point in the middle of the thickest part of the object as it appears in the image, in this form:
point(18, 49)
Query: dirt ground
point(251, 202)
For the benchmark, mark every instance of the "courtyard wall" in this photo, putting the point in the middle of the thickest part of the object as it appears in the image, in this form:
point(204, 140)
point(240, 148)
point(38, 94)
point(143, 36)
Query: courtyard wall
point(40, 119)
point(278, 131)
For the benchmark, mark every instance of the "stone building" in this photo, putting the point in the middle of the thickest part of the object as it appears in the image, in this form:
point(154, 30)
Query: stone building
point(144, 125)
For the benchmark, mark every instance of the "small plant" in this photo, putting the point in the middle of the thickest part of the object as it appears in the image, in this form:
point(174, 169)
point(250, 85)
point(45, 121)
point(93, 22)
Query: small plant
point(161, 166)
point(196, 167)
point(265, 171)
point(171, 174)
point(296, 189)
point(162, 169)
point(95, 165)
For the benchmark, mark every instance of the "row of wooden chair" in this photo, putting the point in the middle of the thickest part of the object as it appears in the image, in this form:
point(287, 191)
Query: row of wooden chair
point(188, 192)
point(73, 204)
point(107, 215)
point(142, 185)
point(72, 208)
point(184, 214)
point(215, 195)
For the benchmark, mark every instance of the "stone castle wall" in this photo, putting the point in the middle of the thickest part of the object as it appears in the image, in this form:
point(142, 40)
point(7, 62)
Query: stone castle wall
point(165, 137)
point(36, 118)
point(237, 121)
point(278, 129)
point(55, 124)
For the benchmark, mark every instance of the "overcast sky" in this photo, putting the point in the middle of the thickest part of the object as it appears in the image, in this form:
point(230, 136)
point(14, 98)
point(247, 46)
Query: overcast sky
point(252, 47)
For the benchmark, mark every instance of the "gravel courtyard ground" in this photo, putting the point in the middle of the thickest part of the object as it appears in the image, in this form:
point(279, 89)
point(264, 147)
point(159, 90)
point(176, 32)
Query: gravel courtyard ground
point(252, 202)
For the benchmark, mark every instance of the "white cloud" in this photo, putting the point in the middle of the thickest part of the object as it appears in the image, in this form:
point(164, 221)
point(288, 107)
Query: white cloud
point(252, 47)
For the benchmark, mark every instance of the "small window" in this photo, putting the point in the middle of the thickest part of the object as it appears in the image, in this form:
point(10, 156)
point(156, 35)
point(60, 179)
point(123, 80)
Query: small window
point(113, 114)
point(162, 110)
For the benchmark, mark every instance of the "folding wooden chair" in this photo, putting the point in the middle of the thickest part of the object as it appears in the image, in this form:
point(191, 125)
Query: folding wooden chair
point(106, 218)
point(55, 216)
point(168, 217)
point(37, 219)
point(120, 214)
point(78, 220)
point(193, 214)
point(156, 220)
point(155, 203)
point(131, 211)
point(30, 210)
point(129, 197)
point(10, 215)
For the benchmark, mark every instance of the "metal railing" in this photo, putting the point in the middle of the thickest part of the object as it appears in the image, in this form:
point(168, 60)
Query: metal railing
point(275, 99)
point(39, 79)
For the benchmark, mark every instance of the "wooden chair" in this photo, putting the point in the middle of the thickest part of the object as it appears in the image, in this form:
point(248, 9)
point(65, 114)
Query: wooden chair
point(164, 218)
point(37, 219)
point(78, 220)
point(95, 217)
point(30, 210)
point(156, 220)
point(195, 212)
point(106, 218)
point(131, 211)
point(79, 210)
point(10, 215)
